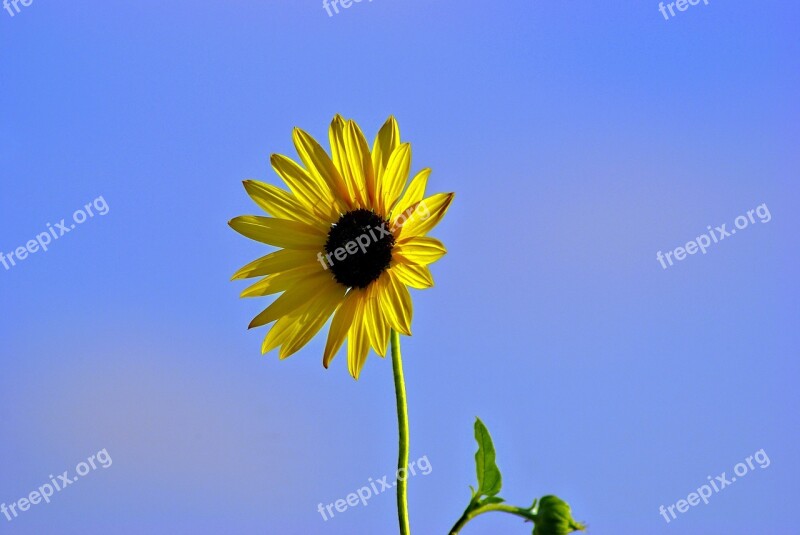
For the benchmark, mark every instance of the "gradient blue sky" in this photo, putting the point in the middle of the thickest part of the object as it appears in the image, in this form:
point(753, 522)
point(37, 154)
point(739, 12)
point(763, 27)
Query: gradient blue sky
point(579, 139)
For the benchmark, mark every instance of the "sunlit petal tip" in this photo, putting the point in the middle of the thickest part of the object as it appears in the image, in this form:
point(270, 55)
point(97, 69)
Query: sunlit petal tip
point(391, 121)
point(274, 337)
point(285, 353)
point(250, 183)
point(355, 373)
point(382, 349)
point(410, 224)
point(254, 324)
point(450, 196)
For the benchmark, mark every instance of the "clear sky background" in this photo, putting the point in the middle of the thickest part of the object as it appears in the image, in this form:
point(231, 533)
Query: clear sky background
point(580, 139)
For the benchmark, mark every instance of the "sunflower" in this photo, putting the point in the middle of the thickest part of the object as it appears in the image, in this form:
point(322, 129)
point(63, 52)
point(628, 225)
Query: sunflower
point(351, 238)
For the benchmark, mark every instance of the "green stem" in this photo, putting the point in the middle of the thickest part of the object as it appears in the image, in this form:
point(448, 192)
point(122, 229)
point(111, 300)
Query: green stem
point(402, 424)
point(473, 511)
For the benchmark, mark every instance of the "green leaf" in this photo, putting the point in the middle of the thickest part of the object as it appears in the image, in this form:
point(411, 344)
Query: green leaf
point(489, 479)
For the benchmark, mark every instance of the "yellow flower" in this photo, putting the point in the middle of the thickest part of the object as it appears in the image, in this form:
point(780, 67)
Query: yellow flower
point(352, 238)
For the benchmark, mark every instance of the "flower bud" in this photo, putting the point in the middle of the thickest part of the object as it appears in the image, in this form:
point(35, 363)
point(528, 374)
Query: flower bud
point(553, 517)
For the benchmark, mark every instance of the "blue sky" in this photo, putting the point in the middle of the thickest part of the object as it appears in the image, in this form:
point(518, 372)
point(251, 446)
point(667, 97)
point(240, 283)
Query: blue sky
point(580, 140)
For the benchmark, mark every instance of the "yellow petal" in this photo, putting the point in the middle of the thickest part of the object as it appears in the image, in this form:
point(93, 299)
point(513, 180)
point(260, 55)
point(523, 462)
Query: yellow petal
point(340, 325)
point(281, 204)
point(357, 342)
point(279, 333)
point(386, 141)
point(414, 193)
point(420, 250)
point(396, 303)
point(293, 298)
point(424, 215)
point(311, 192)
point(376, 325)
point(320, 166)
point(395, 177)
point(279, 232)
point(413, 275)
point(352, 158)
point(279, 282)
point(312, 318)
point(360, 163)
point(339, 155)
point(275, 262)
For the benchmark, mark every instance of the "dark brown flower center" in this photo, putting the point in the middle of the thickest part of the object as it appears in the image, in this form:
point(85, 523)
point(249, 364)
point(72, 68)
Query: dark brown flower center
point(359, 248)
